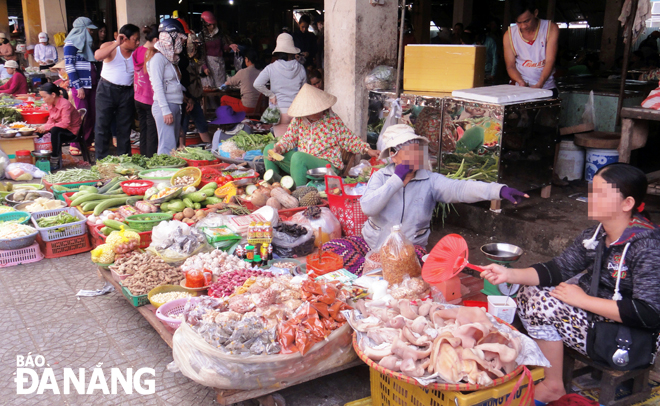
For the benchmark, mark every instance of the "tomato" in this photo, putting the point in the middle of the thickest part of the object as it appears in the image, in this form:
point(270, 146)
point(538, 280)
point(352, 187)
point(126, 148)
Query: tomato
point(229, 178)
point(220, 180)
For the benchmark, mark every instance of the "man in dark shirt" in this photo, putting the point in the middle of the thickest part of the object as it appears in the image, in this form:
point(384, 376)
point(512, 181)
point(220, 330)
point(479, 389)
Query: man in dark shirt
point(305, 40)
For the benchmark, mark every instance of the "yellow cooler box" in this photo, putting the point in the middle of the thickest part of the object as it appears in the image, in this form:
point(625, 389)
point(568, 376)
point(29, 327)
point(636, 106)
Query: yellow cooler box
point(443, 68)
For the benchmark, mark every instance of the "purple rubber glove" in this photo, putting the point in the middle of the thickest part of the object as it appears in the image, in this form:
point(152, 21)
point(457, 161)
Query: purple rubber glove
point(515, 196)
point(402, 170)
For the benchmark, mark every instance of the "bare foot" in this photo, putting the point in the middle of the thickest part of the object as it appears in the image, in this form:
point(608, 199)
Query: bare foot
point(545, 392)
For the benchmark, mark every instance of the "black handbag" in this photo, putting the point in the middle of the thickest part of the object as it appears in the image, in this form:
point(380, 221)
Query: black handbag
point(612, 344)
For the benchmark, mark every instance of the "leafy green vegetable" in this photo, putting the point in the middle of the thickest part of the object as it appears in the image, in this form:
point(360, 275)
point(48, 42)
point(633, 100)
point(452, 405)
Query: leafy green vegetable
point(164, 160)
point(197, 154)
point(61, 218)
point(136, 159)
point(250, 142)
point(10, 114)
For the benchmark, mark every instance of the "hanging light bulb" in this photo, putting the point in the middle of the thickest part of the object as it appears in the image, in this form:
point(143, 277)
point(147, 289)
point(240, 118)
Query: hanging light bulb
point(231, 2)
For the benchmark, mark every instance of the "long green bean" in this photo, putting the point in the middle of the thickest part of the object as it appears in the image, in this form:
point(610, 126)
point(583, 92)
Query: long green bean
point(72, 175)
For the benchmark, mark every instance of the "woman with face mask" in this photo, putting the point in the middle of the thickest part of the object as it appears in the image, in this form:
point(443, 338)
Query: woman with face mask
point(165, 79)
point(406, 193)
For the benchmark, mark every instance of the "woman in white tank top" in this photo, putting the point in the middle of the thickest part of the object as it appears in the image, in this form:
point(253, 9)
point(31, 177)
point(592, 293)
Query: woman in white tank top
point(530, 48)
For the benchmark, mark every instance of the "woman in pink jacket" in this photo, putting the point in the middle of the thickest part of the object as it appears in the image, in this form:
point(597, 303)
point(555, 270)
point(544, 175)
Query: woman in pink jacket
point(144, 93)
point(18, 83)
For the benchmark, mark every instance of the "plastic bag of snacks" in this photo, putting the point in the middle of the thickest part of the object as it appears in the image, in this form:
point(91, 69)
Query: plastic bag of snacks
point(325, 225)
point(398, 257)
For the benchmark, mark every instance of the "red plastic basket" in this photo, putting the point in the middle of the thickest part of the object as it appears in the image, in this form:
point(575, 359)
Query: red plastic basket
point(196, 163)
point(346, 207)
point(65, 247)
point(136, 190)
point(98, 237)
point(210, 172)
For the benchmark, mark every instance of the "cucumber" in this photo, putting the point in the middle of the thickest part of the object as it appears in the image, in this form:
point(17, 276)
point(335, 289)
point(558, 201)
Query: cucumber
point(106, 230)
point(271, 177)
point(109, 185)
point(287, 182)
point(163, 207)
point(117, 225)
point(87, 206)
point(106, 204)
point(188, 202)
point(94, 196)
point(211, 200)
point(197, 206)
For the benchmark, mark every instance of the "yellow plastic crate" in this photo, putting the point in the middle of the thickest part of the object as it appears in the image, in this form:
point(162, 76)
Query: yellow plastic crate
point(360, 402)
point(444, 68)
point(387, 391)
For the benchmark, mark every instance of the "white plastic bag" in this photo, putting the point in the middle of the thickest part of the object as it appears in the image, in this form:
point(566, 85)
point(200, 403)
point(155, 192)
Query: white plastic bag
point(392, 119)
point(381, 77)
point(23, 171)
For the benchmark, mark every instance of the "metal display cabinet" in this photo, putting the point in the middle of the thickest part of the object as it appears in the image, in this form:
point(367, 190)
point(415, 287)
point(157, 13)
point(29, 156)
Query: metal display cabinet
point(505, 143)
point(420, 109)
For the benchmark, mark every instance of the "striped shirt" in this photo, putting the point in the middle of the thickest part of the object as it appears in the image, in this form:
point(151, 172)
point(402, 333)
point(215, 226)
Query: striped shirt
point(77, 67)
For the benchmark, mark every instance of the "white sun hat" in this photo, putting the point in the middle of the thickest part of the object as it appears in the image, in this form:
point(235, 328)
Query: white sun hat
point(285, 44)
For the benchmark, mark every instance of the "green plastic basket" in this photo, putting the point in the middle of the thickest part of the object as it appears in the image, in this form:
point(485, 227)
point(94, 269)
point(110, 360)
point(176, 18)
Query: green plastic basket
point(147, 221)
point(15, 215)
point(136, 301)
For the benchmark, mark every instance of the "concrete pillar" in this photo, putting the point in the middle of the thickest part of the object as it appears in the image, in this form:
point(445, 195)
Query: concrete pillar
point(610, 33)
point(358, 37)
point(32, 21)
point(138, 12)
point(51, 20)
point(462, 12)
point(421, 18)
point(4, 17)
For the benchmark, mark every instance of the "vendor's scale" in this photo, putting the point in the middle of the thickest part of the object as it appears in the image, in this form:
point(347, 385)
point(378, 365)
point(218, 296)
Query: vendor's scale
point(503, 254)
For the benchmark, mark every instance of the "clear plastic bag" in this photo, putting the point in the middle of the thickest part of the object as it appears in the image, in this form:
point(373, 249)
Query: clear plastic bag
point(288, 246)
point(358, 169)
point(210, 366)
point(398, 257)
point(381, 77)
point(22, 171)
point(174, 242)
point(4, 161)
point(326, 227)
point(271, 115)
point(392, 119)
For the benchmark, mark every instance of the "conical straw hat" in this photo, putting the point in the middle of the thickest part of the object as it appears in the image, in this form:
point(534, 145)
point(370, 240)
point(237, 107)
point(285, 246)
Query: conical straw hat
point(310, 100)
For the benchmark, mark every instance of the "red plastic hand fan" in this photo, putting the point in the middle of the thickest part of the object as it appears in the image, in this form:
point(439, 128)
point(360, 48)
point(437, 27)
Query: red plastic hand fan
point(447, 259)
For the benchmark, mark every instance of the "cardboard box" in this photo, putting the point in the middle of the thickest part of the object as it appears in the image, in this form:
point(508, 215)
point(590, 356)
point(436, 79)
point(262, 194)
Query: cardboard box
point(443, 68)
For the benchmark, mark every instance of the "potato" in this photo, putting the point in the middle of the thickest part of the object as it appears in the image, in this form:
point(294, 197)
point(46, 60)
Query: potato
point(178, 216)
point(188, 212)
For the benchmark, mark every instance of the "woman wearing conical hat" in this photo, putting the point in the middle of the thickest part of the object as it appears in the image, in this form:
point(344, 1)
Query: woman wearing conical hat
point(316, 137)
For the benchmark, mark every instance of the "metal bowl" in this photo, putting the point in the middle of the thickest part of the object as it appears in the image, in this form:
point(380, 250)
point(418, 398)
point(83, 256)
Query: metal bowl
point(41, 154)
point(26, 132)
point(10, 197)
point(319, 173)
point(8, 133)
point(165, 198)
point(23, 206)
point(502, 252)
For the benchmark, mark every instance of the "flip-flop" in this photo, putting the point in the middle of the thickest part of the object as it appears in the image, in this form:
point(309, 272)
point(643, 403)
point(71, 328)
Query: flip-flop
point(73, 151)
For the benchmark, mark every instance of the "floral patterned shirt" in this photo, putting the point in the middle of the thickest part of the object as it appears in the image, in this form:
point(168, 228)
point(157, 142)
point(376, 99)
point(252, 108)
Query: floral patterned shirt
point(325, 139)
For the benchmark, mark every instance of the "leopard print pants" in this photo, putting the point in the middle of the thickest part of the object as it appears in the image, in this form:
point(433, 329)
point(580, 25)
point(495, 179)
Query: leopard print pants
point(550, 319)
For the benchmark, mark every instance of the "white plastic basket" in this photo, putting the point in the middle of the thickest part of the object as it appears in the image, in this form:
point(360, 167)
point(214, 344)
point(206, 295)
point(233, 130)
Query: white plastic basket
point(60, 232)
point(20, 256)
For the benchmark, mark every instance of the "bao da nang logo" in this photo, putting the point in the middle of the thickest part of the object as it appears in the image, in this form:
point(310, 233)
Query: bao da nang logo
point(32, 377)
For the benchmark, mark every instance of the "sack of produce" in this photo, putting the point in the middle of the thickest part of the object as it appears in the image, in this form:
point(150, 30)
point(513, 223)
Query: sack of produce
point(325, 225)
point(174, 242)
point(123, 241)
point(291, 240)
point(103, 254)
point(398, 257)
